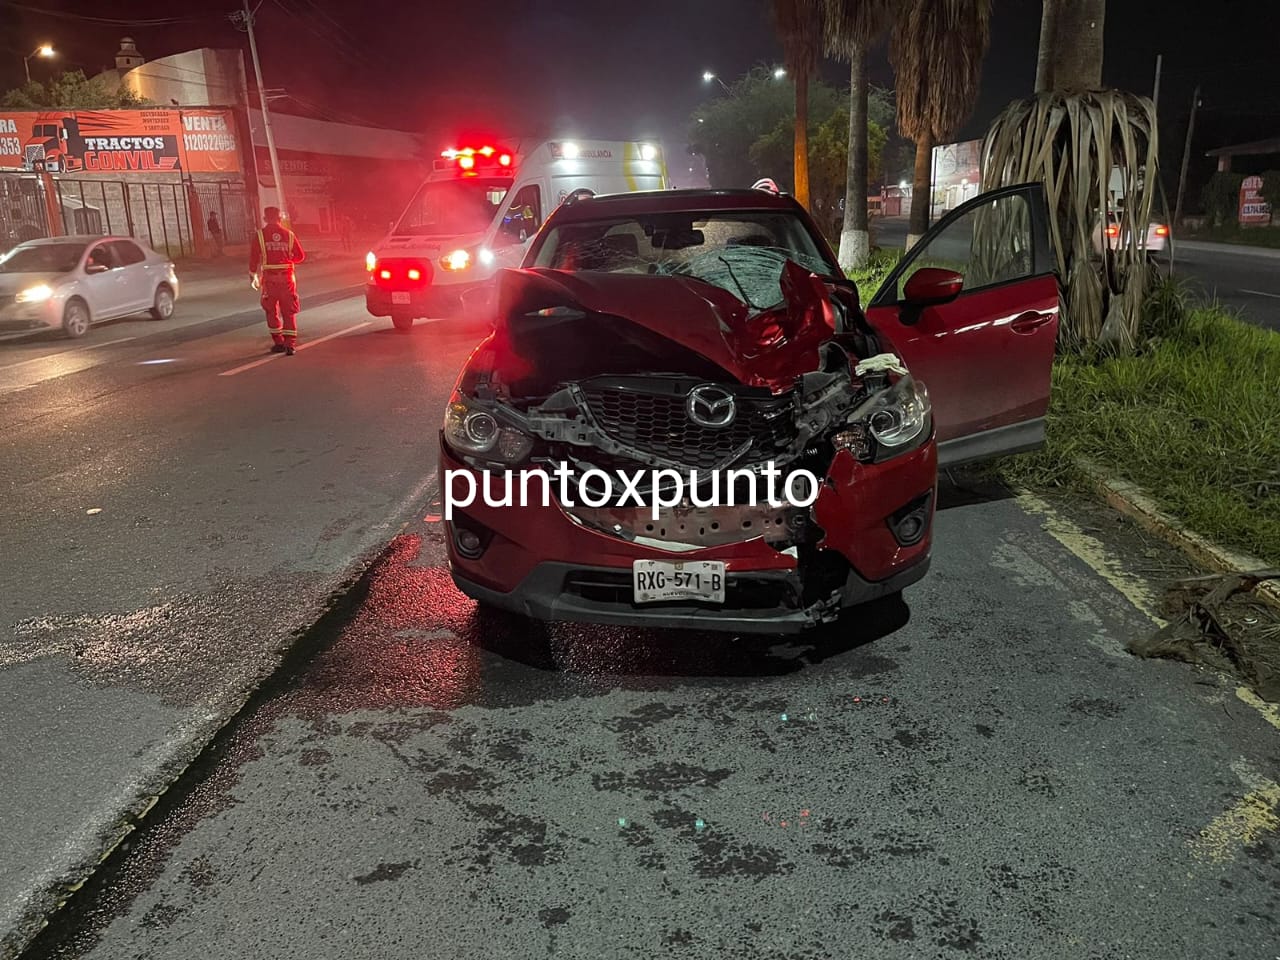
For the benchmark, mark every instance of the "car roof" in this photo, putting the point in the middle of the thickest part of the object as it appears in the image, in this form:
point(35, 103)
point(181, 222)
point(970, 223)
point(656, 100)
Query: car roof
point(674, 201)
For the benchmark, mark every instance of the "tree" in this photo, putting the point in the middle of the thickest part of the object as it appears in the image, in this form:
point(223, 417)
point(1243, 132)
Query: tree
point(936, 49)
point(852, 27)
point(1271, 193)
point(799, 24)
point(71, 91)
point(1070, 56)
point(724, 128)
point(828, 143)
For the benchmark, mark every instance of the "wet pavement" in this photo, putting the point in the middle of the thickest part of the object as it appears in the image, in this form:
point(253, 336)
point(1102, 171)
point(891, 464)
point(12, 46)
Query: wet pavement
point(981, 770)
point(180, 506)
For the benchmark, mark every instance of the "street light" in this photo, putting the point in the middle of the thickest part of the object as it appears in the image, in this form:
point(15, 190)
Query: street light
point(44, 50)
point(708, 76)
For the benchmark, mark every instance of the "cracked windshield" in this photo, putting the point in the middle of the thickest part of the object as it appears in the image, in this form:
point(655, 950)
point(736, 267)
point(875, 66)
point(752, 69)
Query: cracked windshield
point(780, 479)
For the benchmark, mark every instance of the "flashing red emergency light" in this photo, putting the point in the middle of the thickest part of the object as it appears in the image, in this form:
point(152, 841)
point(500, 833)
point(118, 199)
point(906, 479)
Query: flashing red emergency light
point(1162, 230)
point(470, 159)
point(1113, 230)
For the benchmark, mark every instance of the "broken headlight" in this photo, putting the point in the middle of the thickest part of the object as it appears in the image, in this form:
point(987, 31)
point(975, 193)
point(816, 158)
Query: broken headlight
point(896, 419)
point(471, 429)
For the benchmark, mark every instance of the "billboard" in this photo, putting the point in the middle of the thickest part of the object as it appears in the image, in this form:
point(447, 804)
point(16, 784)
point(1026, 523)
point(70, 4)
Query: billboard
point(123, 142)
point(1254, 211)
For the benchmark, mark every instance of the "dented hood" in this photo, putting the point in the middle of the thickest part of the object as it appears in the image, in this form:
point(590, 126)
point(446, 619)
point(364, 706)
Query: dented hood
point(761, 348)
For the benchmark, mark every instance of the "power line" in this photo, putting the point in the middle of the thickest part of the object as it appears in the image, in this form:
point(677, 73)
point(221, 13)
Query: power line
point(110, 21)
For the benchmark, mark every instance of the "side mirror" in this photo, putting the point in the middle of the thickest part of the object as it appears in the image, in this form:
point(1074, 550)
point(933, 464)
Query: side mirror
point(929, 286)
point(96, 268)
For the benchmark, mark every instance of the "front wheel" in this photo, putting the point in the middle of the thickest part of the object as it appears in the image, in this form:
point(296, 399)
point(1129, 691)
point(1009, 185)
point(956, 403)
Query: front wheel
point(162, 308)
point(402, 321)
point(75, 319)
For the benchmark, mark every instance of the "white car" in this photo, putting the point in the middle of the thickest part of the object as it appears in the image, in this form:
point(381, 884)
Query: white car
point(1157, 238)
point(73, 282)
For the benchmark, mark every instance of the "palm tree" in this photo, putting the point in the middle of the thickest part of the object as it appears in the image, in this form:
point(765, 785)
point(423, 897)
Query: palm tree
point(1070, 57)
point(799, 24)
point(936, 50)
point(852, 27)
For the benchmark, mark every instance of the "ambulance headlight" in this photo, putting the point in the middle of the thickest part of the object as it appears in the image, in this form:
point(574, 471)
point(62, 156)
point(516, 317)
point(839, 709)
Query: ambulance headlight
point(457, 260)
point(485, 256)
point(569, 151)
point(648, 151)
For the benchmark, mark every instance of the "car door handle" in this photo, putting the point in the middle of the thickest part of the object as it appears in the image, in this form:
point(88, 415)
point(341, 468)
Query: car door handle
point(1030, 321)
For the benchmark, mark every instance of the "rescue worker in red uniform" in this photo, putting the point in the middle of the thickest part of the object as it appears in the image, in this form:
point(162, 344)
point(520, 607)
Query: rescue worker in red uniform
point(271, 258)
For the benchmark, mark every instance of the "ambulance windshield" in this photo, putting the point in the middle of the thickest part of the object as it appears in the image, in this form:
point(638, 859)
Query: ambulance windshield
point(449, 208)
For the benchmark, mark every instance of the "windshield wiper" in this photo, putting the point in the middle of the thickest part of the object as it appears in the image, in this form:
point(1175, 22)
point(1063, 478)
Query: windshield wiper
point(738, 283)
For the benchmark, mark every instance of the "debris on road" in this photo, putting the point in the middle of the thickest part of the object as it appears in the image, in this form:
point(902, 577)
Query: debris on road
point(1200, 620)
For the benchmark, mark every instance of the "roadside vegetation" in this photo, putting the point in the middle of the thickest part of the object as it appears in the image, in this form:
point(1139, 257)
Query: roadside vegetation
point(1190, 417)
point(1233, 233)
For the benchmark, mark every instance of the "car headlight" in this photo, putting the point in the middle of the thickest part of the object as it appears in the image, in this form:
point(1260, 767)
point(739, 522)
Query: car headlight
point(897, 419)
point(35, 294)
point(469, 429)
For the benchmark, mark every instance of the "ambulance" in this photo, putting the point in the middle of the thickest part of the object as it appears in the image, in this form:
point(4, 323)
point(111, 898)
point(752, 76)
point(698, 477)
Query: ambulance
point(477, 213)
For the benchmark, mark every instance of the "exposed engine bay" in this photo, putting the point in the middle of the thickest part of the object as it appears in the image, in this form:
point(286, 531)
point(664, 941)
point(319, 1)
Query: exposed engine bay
point(721, 395)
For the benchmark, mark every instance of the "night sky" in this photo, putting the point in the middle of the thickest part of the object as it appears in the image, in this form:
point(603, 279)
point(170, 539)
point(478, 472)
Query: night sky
point(614, 69)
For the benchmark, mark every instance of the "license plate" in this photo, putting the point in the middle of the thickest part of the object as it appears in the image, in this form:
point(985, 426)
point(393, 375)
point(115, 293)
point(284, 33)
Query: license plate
point(658, 580)
point(400, 296)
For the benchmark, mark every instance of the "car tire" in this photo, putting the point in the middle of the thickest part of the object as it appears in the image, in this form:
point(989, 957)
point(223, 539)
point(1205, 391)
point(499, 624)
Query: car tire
point(162, 307)
point(402, 321)
point(75, 318)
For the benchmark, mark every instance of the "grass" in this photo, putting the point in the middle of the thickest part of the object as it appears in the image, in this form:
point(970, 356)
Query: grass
point(1233, 233)
point(1193, 418)
point(870, 277)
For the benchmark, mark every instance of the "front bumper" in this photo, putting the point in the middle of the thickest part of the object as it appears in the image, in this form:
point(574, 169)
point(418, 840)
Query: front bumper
point(539, 562)
point(443, 300)
point(587, 594)
point(29, 317)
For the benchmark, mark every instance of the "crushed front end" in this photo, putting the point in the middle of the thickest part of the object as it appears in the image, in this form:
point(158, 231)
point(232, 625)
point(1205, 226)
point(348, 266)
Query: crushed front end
point(609, 407)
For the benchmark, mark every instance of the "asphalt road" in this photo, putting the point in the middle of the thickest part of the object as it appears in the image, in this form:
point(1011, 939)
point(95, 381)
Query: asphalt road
point(1244, 279)
point(982, 770)
point(179, 506)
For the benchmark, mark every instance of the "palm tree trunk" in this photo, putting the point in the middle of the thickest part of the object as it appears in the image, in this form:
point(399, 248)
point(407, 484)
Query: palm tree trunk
point(1077, 45)
point(855, 239)
point(1048, 37)
point(802, 141)
point(921, 191)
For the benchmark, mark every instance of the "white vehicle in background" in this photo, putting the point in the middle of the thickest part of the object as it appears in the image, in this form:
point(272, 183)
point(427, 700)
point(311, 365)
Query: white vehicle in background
point(73, 282)
point(477, 213)
point(1112, 231)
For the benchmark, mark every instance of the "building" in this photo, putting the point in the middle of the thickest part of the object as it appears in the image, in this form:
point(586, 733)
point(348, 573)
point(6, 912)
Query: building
point(330, 170)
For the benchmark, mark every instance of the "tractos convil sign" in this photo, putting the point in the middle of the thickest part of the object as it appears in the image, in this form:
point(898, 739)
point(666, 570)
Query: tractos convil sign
point(119, 141)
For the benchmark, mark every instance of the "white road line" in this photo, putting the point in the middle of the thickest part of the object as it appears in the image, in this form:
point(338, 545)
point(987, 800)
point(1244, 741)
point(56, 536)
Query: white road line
point(99, 346)
point(68, 353)
point(1261, 293)
point(276, 356)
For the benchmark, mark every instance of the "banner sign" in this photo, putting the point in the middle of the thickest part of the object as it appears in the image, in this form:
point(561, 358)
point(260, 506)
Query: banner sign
point(1254, 211)
point(119, 141)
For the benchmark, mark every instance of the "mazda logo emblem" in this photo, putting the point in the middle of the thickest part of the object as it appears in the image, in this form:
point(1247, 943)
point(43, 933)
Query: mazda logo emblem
point(710, 406)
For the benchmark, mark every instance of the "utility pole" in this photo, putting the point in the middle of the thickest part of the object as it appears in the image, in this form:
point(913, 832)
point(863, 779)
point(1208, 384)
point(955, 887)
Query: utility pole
point(1186, 157)
point(1155, 93)
point(247, 17)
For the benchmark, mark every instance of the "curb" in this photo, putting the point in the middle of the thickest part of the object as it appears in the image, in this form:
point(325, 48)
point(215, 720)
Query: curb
point(1236, 249)
point(1134, 503)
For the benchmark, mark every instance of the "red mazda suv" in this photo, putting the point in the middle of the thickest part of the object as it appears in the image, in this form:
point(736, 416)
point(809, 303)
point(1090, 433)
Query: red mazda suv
point(658, 356)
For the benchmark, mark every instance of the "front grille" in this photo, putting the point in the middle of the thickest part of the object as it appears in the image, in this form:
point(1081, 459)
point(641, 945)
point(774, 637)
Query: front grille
point(34, 152)
point(648, 413)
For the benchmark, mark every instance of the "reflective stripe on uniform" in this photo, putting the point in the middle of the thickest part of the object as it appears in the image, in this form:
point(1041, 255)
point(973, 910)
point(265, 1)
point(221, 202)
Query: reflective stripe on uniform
point(262, 249)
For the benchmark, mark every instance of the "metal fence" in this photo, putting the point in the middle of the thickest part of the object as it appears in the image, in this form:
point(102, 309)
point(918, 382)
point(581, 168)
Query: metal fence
point(158, 214)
